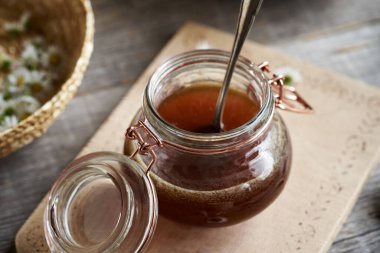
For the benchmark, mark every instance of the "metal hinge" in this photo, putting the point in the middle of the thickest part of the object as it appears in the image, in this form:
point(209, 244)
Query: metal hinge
point(287, 98)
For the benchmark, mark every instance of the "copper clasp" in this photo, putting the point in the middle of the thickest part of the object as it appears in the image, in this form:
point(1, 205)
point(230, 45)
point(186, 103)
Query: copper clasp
point(287, 98)
point(146, 140)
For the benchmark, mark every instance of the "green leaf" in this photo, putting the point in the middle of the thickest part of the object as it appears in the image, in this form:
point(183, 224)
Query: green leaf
point(7, 95)
point(27, 25)
point(6, 65)
point(288, 80)
point(9, 111)
point(14, 32)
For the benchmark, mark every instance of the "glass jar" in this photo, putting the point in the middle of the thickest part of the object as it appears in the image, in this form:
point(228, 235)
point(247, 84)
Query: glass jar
point(222, 178)
point(108, 202)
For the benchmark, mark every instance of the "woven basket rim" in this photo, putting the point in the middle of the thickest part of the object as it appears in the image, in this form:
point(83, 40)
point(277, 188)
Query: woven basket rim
point(80, 65)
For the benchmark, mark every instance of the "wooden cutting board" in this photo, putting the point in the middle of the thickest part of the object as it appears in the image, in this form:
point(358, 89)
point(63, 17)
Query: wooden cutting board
point(334, 151)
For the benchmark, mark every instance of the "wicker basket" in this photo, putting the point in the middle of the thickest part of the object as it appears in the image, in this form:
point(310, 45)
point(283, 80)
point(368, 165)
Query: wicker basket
point(70, 25)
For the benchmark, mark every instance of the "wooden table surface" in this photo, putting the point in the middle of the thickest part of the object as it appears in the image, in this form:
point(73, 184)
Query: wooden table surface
point(343, 35)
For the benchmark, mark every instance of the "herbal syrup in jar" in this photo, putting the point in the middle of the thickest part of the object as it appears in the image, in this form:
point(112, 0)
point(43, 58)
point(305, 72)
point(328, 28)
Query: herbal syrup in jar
point(192, 109)
point(207, 178)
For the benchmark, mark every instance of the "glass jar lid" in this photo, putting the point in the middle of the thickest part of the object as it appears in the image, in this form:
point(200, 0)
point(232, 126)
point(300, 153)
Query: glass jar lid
point(102, 202)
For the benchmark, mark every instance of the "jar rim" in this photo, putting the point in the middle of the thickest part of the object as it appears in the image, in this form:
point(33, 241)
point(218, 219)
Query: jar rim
point(55, 235)
point(173, 64)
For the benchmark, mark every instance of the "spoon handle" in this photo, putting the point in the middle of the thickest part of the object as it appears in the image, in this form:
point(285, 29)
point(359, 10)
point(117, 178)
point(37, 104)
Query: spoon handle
point(248, 12)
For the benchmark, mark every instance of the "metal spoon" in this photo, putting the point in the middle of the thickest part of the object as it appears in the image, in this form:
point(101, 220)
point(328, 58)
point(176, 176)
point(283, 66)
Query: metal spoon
point(248, 12)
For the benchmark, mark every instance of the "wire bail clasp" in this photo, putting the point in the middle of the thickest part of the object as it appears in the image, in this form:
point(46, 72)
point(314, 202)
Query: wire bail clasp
point(146, 140)
point(287, 98)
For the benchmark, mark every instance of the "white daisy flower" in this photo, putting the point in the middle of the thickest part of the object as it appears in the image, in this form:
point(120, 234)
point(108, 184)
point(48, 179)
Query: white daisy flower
point(30, 56)
point(204, 44)
point(22, 77)
point(17, 79)
point(36, 76)
point(39, 81)
point(25, 105)
point(51, 58)
point(292, 75)
point(8, 122)
point(15, 82)
point(17, 26)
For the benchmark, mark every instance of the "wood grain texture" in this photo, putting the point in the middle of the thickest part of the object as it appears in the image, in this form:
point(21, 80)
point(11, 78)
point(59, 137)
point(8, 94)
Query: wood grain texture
point(341, 34)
